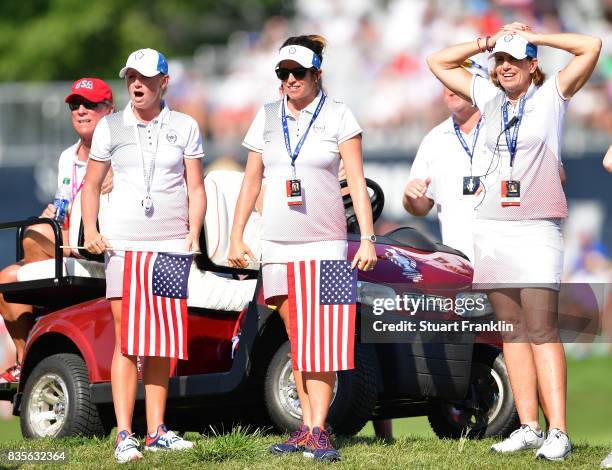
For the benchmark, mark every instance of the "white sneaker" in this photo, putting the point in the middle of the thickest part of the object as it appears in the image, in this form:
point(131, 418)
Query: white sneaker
point(166, 440)
point(126, 448)
point(556, 447)
point(522, 439)
point(607, 462)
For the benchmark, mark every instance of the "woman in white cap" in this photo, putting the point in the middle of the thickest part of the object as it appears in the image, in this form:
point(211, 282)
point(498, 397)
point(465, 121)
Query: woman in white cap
point(301, 139)
point(157, 205)
point(517, 234)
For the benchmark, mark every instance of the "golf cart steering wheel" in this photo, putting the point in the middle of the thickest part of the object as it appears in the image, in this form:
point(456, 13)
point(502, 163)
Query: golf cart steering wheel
point(377, 200)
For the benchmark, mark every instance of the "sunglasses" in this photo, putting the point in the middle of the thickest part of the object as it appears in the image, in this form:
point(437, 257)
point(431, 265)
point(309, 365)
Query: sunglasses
point(76, 104)
point(299, 73)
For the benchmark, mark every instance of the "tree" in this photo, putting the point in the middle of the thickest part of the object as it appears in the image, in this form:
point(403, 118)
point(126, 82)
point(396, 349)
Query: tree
point(62, 39)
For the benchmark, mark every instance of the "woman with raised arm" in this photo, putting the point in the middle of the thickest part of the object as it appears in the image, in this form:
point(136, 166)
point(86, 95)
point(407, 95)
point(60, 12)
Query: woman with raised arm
point(517, 234)
point(300, 141)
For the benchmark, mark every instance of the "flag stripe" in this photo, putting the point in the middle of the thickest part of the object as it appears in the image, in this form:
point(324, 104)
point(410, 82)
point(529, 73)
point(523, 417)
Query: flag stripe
point(164, 350)
point(335, 337)
point(307, 317)
point(351, 336)
point(127, 325)
point(316, 312)
point(326, 351)
point(294, 318)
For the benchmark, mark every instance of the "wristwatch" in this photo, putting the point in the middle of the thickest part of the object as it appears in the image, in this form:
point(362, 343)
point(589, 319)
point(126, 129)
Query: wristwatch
point(371, 238)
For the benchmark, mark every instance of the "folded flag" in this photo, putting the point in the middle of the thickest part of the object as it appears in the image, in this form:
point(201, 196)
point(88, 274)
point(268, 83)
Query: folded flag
point(154, 307)
point(322, 298)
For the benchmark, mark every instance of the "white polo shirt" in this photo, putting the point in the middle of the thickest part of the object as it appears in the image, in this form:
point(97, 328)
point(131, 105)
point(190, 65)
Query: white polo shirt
point(69, 166)
point(169, 139)
point(537, 160)
point(321, 216)
point(442, 158)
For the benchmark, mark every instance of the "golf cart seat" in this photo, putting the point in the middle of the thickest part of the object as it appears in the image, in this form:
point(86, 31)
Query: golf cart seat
point(84, 272)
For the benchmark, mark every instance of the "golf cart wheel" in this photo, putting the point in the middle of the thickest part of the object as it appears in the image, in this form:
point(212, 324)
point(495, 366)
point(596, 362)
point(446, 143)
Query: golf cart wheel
point(56, 400)
point(488, 410)
point(353, 398)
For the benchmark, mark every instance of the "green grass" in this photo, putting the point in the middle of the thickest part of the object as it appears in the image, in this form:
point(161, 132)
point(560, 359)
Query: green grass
point(239, 450)
point(589, 418)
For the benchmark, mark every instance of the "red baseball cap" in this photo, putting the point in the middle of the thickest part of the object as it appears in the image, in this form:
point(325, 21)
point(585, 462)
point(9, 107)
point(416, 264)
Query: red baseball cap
point(92, 89)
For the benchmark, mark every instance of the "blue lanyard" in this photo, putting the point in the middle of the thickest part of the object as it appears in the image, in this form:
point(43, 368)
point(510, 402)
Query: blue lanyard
point(298, 147)
point(464, 143)
point(511, 142)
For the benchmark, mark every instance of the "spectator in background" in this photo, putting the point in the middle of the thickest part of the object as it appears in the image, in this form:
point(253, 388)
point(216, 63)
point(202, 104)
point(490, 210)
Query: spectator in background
point(90, 99)
point(447, 169)
point(607, 161)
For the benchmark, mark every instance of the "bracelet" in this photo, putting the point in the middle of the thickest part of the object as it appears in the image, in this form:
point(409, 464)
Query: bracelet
point(487, 47)
point(478, 44)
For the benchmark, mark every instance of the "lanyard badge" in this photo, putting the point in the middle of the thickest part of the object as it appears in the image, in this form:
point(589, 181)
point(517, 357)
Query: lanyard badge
point(294, 185)
point(147, 173)
point(470, 183)
point(511, 188)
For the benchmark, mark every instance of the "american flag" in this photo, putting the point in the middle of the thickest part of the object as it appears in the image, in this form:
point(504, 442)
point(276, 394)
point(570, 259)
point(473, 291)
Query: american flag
point(154, 307)
point(322, 297)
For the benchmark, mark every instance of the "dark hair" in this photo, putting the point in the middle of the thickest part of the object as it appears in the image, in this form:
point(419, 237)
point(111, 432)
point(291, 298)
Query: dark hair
point(537, 77)
point(314, 42)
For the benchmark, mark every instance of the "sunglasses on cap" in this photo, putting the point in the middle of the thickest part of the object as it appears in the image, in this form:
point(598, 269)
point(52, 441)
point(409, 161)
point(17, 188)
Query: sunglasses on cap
point(76, 104)
point(299, 73)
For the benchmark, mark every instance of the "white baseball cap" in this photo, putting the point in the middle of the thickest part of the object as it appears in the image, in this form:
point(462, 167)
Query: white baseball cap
point(148, 62)
point(300, 54)
point(515, 45)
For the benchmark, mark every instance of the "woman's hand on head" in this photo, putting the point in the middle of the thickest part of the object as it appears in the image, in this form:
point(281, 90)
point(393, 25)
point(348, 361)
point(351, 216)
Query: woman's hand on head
point(237, 252)
point(365, 258)
point(521, 29)
point(95, 243)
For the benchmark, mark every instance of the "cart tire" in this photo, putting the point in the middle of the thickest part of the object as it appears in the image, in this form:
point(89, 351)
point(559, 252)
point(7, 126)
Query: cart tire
point(487, 411)
point(352, 403)
point(56, 400)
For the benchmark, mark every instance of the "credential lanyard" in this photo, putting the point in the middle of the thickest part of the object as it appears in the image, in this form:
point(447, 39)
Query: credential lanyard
point(464, 143)
point(147, 174)
point(298, 147)
point(511, 141)
point(75, 188)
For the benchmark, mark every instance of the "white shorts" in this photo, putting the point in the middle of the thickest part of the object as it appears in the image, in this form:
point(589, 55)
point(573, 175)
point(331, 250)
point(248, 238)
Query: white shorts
point(114, 260)
point(520, 253)
point(275, 274)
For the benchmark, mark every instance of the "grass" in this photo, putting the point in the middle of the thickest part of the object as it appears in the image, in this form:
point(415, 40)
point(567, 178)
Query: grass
point(415, 446)
point(243, 449)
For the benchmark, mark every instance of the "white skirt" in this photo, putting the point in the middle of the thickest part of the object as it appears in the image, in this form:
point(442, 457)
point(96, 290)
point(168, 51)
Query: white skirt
point(517, 253)
point(274, 273)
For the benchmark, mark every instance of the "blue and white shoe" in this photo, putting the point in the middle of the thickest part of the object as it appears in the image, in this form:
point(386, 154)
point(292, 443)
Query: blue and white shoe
point(166, 440)
point(126, 448)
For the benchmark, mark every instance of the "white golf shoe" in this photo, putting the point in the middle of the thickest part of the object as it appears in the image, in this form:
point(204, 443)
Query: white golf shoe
point(556, 447)
point(523, 438)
